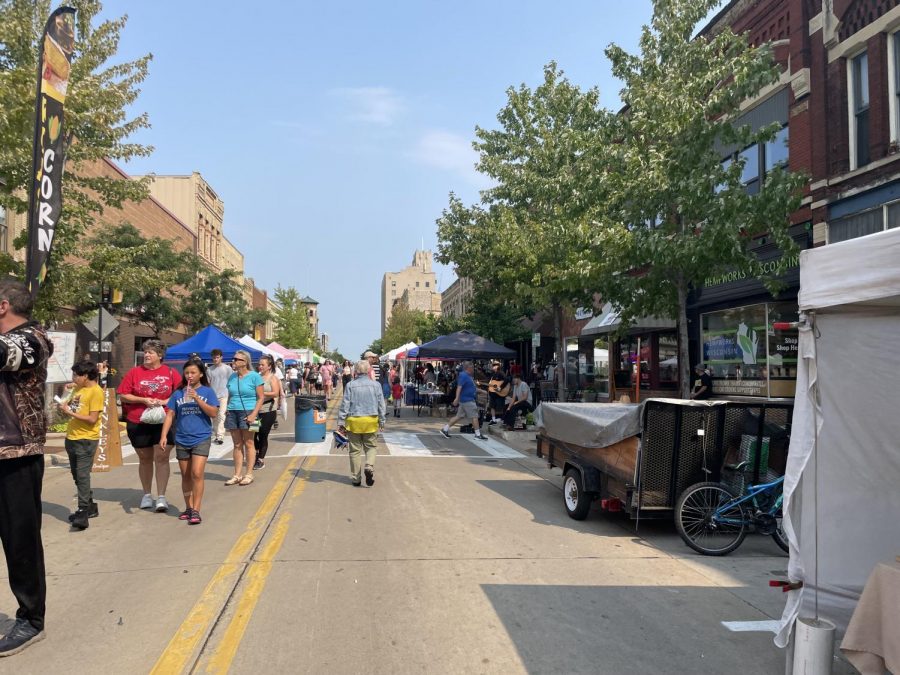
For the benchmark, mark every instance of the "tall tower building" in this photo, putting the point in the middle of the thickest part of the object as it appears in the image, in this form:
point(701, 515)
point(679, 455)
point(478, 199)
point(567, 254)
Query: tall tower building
point(420, 282)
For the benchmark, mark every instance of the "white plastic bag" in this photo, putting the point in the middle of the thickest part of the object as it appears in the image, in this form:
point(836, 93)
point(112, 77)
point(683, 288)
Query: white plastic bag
point(154, 415)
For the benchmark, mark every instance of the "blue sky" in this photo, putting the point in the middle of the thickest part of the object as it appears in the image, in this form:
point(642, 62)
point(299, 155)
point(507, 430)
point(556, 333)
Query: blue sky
point(335, 131)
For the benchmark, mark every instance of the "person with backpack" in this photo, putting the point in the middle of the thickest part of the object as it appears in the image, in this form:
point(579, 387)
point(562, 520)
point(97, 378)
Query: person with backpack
point(144, 392)
point(191, 410)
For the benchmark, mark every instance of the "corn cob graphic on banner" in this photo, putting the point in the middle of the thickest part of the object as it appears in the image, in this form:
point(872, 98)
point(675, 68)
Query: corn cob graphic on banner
point(45, 198)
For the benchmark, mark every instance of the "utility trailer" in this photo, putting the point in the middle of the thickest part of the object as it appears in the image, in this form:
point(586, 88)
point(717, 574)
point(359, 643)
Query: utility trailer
point(640, 458)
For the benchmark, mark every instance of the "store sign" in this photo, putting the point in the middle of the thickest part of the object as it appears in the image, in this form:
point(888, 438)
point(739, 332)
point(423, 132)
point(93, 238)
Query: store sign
point(581, 313)
point(758, 270)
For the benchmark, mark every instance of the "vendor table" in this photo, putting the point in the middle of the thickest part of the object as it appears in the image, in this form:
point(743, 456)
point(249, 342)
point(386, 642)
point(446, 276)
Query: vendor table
point(428, 399)
point(872, 640)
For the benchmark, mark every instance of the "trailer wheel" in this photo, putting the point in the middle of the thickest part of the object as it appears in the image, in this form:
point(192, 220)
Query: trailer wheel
point(577, 501)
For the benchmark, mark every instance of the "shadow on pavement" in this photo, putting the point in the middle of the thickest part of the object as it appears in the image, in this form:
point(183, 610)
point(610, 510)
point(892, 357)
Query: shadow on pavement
point(323, 476)
point(61, 513)
point(546, 506)
point(631, 629)
point(128, 498)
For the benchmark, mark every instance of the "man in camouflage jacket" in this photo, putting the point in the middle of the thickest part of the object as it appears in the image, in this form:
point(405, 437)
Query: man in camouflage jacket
point(24, 350)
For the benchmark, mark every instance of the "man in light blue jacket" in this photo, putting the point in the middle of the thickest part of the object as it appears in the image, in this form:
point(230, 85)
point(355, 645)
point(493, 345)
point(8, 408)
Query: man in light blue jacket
point(361, 416)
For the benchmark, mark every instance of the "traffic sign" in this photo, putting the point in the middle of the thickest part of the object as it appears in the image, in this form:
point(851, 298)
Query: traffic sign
point(109, 324)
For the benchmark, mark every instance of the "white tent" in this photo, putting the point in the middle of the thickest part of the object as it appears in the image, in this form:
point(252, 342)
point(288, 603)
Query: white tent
point(250, 342)
point(842, 501)
point(392, 355)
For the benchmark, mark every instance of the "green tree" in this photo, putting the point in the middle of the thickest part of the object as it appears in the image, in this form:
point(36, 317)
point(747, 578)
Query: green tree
point(292, 327)
point(376, 346)
point(96, 114)
point(408, 325)
point(217, 299)
point(529, 239)
point(688, 215)
point(155, 274)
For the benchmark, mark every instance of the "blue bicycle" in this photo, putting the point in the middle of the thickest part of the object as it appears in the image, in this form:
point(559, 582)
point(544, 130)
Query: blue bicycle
point(712, 520)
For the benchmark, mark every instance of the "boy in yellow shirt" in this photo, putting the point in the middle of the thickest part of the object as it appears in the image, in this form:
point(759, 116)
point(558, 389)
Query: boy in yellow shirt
point(82, 435)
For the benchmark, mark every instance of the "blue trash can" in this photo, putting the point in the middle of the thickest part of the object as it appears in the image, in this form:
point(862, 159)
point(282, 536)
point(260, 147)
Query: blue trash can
point(309, 419)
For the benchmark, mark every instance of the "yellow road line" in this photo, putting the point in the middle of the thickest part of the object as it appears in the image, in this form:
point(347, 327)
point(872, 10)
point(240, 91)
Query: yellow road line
point(253, 584)
point(181, 647)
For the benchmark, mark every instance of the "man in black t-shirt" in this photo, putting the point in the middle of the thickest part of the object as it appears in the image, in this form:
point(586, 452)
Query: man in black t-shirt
point(702, 385)
point(498, 389)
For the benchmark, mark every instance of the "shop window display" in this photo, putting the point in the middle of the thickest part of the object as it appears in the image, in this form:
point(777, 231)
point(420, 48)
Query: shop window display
point(746, 355)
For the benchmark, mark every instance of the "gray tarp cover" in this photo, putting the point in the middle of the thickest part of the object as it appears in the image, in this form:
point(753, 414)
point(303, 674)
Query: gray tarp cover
point(598, 425)
point(590, 425)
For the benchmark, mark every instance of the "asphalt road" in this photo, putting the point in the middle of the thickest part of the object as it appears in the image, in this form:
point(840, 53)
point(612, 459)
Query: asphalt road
point(459, 559)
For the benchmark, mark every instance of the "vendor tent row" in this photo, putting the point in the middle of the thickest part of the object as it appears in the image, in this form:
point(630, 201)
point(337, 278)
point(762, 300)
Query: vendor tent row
point(211, 338)
point(458, 346)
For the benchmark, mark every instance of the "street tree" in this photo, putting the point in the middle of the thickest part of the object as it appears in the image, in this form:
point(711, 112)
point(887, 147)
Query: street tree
point(408, 325)
point(292, 327)
point(99, 122)
point(160, 274)
point(528, 241)
point(215, 298)
point(377, 347)
point(688, 214)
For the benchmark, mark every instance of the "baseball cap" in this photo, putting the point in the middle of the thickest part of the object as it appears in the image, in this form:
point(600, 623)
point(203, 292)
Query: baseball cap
point(369, 354)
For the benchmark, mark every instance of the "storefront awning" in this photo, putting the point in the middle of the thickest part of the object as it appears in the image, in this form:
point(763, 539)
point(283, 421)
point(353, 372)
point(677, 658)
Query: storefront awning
point(609, 320)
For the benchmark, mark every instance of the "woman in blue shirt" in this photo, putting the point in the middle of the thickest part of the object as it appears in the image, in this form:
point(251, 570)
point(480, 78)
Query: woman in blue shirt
point(245, 398)
point(191, 408)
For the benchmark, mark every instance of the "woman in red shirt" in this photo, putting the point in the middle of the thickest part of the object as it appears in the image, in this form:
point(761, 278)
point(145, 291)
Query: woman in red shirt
point(144, 388)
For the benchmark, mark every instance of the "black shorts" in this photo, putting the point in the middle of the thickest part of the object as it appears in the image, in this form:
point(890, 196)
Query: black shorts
point(142, 435)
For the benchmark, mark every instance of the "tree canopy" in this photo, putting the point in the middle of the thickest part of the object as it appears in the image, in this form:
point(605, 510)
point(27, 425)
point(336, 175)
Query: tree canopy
point(98, 123)
point(688, 213)
point(292, 327)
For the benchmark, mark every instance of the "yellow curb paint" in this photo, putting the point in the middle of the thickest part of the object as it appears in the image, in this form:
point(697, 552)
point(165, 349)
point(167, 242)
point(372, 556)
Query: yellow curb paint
point(253, 584)
point(181, 647)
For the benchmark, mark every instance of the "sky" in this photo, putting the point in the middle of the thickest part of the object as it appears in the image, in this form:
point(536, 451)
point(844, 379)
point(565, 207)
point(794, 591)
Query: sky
point(334, 132)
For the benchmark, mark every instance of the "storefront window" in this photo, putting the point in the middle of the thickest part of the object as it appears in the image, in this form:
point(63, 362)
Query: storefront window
point(572, 363)
point(743, 350)
point(601, 366)
point(668, 361)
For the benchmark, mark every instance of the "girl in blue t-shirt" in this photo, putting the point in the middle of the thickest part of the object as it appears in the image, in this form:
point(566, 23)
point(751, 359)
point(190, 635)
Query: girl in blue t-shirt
point(191, 408)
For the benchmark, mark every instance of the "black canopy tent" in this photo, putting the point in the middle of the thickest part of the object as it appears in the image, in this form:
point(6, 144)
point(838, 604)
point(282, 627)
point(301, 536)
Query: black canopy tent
point(463, 345)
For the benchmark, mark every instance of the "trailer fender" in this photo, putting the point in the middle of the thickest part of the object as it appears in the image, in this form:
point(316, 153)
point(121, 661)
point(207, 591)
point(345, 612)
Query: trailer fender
point(591, 478)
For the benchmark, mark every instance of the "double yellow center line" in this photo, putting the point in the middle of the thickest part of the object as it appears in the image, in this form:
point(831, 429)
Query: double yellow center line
point(240, 566)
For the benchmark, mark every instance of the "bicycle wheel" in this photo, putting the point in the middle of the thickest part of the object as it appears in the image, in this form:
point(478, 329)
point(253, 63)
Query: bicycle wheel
point(699, 516)
point(779, 536)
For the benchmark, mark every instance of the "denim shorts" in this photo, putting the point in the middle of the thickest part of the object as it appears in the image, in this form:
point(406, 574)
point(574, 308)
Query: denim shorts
point(186, 452)
point(236, 419)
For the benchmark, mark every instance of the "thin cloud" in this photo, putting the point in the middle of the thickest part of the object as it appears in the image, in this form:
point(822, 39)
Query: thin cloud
point(450, 152)
point(374, 105)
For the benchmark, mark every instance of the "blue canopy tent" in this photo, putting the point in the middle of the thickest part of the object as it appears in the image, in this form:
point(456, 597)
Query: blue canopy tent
point(204, 342)
point(461, 345)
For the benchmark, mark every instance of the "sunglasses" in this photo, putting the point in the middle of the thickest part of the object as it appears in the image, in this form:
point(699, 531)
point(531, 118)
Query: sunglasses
point(239, 360)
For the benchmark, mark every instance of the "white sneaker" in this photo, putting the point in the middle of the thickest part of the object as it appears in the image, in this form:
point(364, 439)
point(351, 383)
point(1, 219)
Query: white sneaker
point(147, 501)
point(161, 504)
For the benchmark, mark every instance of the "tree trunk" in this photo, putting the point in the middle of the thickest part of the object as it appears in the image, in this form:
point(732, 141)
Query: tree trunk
point(561, 351)
point(684, 357)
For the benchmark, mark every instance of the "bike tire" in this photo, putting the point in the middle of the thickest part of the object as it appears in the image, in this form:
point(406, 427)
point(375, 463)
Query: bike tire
point(692, 519)
point(780, 537)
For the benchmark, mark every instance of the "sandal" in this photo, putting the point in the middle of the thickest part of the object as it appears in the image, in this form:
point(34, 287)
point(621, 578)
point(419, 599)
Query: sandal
point(195, 518)
point(246, 480)
point(234, 480)
point(185, 515)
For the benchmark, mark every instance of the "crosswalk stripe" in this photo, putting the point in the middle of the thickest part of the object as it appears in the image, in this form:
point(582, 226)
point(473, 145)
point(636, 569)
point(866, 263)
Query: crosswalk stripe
point(311, 449)
point(493, 448)
point(220, 451)
point(405, 445)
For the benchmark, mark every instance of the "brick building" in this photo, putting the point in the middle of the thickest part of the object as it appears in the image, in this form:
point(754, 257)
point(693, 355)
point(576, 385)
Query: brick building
point(838, 101)
point(152, 219)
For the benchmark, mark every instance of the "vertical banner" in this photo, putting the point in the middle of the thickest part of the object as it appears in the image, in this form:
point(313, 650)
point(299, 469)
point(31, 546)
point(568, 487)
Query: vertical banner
point(45, 198)
point(109, 449)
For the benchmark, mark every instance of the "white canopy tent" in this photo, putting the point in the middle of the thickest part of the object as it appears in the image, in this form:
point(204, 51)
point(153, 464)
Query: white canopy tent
point(392, 355)
point(842, 502)
point(250, 342)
